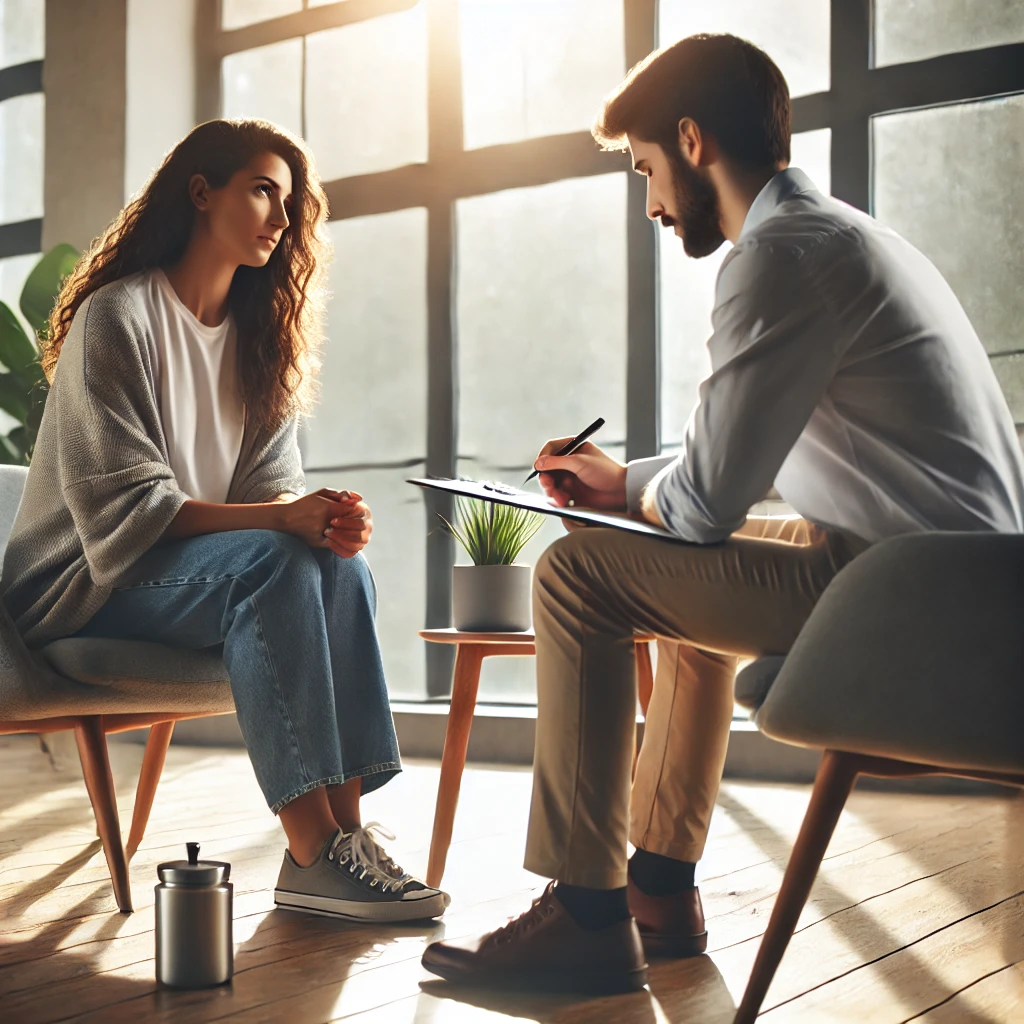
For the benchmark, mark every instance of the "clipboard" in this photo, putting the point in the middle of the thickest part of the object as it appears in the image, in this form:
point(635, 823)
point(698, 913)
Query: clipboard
point(501, 494)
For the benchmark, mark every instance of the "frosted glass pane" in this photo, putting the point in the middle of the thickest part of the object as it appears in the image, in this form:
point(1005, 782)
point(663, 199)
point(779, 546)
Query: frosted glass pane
point(22, 31)
point(948, 179)
point(374, 377)
point(13, 272)
point(397, 555)
point(21, 158)
point(366, 94)
point(794, 33)
point(686, 293)
point(541, 318)
point(541, 310)
point(236, 13)
point(266, 82)
point(536, 67)
point(907, 30)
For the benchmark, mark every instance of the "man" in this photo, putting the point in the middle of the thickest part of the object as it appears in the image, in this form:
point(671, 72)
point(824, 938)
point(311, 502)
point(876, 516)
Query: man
point(845, 372)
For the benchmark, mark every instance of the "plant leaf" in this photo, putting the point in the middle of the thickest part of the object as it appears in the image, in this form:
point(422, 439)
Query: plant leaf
point(43, 284)
point(16, 349)
point(14, 398)
point(493, 534)
point(9, 455)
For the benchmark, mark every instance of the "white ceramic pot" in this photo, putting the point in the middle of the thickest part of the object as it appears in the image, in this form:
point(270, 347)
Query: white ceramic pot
point(491, 598)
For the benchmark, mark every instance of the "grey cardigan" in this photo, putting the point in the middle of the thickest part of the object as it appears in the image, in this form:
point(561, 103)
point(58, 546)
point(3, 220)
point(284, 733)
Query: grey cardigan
point(100, 491)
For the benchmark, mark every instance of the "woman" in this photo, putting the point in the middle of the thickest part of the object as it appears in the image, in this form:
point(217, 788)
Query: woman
point(163, 501)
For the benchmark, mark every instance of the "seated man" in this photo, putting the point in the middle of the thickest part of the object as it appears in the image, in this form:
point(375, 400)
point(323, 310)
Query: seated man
point(843, 370)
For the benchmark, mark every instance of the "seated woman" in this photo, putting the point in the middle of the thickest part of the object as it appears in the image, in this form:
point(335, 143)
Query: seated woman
point(163, 501)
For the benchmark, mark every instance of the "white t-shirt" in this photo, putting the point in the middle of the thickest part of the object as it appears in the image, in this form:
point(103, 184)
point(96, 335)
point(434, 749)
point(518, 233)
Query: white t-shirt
point(197, 389)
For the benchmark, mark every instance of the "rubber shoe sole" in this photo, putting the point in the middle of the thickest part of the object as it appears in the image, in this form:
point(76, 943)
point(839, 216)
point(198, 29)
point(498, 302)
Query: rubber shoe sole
point(678, 946)
point(389, 911)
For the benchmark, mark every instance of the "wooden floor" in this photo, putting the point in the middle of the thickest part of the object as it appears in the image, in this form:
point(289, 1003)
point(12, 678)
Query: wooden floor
point(918, 914)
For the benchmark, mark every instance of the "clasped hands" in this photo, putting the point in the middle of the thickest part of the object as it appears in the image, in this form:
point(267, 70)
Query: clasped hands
point(339, 520)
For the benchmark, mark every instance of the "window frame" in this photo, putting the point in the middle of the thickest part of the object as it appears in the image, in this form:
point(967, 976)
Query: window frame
point(858, 91)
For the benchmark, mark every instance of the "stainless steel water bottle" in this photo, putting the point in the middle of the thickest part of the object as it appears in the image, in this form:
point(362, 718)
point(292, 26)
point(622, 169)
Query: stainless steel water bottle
point(194, 947)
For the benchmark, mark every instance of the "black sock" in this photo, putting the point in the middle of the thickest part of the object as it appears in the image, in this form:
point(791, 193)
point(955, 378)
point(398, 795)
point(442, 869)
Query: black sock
point(657, 875)
point(593, 908)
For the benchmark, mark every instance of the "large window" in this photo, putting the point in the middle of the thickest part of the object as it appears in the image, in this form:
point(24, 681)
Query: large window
point(496, 280)
point(21, 142)
point(21, 148)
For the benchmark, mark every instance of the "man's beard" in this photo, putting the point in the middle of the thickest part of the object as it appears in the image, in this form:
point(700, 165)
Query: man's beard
point(697, 209)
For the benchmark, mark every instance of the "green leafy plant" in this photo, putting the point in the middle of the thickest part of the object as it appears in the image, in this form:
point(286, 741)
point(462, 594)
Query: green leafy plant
point(23, 387)
point(492, 534)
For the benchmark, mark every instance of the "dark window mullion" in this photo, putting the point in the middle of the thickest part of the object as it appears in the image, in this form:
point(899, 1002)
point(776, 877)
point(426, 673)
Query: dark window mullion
point(444, 147)
point(851, 145)
point(642, 363)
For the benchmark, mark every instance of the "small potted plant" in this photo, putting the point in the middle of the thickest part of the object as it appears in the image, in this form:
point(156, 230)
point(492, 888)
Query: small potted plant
point(493, 594)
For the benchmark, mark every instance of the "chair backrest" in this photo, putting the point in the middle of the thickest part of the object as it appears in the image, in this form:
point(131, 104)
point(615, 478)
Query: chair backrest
point(12, 486)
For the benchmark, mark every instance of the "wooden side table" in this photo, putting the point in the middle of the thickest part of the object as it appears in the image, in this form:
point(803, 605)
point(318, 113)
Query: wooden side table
point(471, 649)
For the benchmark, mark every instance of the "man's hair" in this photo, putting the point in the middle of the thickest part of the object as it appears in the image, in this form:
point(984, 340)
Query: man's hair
point(734, 91)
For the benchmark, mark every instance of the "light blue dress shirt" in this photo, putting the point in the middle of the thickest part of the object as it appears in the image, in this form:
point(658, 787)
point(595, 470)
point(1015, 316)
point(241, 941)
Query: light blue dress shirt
point(844, 371)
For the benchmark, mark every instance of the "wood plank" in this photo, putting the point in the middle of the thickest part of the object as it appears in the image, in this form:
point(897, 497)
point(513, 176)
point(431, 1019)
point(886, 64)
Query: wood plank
point(909, 981)
point(887, 927)
point(998, 996)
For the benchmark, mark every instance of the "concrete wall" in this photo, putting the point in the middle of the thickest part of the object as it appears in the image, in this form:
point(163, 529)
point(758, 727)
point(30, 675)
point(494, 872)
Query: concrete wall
point(85, 85)
point(119, 78)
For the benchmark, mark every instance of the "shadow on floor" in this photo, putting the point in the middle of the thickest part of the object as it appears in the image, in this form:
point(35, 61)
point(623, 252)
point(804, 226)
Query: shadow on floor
point(679, 991)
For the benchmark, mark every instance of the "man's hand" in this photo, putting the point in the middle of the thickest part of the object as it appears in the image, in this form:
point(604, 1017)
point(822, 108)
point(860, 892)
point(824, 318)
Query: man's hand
point(588, 477)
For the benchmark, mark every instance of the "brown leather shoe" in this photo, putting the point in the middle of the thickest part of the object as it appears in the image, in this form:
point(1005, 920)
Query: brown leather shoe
point(669, 925)
point(546, 950)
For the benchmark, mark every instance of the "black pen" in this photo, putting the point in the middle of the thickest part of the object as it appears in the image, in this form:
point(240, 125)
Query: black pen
point(575, 443)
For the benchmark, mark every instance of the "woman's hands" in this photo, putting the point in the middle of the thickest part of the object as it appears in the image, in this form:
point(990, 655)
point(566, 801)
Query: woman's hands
point(588, 477)
point(339, 520)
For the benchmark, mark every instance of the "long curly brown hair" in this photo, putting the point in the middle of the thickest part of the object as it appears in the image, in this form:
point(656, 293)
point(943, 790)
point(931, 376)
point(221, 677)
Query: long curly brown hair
point(278, 308)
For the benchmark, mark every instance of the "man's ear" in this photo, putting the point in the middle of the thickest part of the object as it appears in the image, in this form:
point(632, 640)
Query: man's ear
point(696, 148)
point(199, 191)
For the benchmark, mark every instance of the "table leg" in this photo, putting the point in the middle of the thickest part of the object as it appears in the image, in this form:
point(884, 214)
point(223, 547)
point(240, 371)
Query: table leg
point(468, 659)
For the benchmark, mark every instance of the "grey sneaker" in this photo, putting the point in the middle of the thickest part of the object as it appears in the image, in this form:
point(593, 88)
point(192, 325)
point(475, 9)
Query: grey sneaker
point(355, 879)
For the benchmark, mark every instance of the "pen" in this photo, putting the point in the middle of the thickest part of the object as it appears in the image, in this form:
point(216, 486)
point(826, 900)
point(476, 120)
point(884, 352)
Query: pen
point(575, 443)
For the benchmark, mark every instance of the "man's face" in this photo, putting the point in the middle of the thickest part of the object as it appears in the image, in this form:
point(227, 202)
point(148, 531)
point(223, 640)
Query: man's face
point(680, 195)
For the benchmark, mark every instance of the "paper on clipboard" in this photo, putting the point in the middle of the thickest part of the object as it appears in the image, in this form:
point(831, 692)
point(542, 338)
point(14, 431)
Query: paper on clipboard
point(501, 494)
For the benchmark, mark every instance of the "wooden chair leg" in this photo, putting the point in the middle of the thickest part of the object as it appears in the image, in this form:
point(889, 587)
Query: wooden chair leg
point(92, 749)
point(836, 776)
point(149, 777)
point(468, 659)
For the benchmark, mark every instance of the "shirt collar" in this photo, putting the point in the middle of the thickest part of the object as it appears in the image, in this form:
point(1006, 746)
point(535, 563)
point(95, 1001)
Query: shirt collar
point(784, 185)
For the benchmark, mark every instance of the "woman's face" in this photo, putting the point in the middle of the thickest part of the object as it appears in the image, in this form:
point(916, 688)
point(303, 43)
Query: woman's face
point(245, 219)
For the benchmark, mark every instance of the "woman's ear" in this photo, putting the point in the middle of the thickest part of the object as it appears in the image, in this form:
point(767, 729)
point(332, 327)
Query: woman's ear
point(199, 191)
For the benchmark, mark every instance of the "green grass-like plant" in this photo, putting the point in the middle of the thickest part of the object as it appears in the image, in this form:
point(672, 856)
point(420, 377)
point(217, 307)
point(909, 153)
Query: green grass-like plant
point(492, 534)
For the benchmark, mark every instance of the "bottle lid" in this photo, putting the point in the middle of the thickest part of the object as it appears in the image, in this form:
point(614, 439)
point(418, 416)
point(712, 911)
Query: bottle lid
point(194, 871)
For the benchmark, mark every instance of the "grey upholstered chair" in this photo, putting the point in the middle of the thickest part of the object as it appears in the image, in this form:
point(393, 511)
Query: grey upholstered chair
point(911, 664)
point(96, 687)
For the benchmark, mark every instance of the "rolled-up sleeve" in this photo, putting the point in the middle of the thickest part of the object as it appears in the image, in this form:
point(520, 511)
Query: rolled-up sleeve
point(774, 349)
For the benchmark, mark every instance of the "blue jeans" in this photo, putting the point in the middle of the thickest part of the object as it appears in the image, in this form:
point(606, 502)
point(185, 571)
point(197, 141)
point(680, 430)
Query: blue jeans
point(300, 648)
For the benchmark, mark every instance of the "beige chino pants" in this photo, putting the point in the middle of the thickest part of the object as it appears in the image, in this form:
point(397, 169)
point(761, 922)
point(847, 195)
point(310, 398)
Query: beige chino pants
point(708, 606)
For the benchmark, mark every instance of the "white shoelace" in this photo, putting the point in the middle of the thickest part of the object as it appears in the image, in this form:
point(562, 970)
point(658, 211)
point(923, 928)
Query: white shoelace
point(364, 856)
